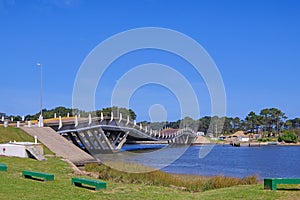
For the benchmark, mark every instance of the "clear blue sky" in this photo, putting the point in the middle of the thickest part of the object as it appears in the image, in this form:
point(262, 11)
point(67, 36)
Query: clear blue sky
point(255, 44)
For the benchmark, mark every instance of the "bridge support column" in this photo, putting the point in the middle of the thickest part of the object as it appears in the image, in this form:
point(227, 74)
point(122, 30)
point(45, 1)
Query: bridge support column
point(123, 140)
point(59, 123)
point(111, 116)
point(90, 119)
point(76, 121)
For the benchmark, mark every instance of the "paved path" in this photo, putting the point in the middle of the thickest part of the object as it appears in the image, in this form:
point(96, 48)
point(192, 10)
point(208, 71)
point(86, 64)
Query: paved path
point(59, 145)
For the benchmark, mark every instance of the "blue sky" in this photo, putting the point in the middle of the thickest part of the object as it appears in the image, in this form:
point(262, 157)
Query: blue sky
point(255, 45)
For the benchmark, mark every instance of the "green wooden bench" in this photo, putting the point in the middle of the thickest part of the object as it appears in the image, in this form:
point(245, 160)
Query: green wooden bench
point(3, 167)
point(31, 174)
point(271, 183)
point(84, 181)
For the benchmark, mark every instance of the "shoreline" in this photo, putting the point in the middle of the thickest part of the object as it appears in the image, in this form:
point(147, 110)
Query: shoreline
point(242, 144)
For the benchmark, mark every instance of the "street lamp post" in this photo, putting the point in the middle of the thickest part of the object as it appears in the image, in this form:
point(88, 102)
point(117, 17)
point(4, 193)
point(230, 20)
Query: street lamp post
point(41, 124)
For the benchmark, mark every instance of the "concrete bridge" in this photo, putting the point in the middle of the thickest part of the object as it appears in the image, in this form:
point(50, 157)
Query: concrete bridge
point(108, 134)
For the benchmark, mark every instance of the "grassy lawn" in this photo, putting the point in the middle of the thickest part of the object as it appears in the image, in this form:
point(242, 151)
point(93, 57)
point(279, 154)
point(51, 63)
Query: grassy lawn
point(14, 134)
point(14, 186)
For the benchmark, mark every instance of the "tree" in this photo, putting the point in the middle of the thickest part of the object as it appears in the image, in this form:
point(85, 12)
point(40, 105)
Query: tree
point(116, 112)
point(278, 118)
point(236, 123)
point(272, 119)
point(228, 128)
point(203, 124)
point(174, 125)
point(18, 118)
point(288, 137)
point(189, 122)
point(216, 125)
point(293, 124)
point(158, 125)
point(288, 125)
point(60, 111)
point(265, 119)
point(253, 121)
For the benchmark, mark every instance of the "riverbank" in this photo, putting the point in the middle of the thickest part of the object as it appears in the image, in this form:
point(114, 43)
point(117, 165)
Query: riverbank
point(14, 186)
point(150, 176)
point(257, 144)
point(208, 142)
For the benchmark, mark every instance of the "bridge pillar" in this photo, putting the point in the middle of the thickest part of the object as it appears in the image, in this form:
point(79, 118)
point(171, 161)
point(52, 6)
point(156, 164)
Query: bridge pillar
point(122, 141)
point(59, 122)
point(76, 121)
point(120, 118)
point(90, 119)
point(111, 116)
point(187, 139)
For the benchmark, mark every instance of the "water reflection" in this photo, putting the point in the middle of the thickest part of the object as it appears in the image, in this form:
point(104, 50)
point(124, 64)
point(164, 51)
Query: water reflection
point(265, 161)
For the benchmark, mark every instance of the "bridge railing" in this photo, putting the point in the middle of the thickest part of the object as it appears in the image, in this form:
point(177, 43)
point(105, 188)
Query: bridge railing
point(125, 124)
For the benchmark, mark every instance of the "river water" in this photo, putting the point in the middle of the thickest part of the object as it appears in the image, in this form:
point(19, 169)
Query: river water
point(265, 161)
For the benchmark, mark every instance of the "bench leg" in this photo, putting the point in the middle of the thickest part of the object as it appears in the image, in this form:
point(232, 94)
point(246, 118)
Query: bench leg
point(78, 184)
point(27, 176)
point(270, 184)
point(267, 184)
point(274, 186)
point(97, 187)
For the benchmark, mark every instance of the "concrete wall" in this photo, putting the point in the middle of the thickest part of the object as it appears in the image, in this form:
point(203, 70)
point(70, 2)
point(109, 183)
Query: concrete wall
point(13, 150)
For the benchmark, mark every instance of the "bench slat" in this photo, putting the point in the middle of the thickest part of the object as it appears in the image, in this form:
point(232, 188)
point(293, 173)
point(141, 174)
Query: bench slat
point(271, 183)
point(3, 167)
point(45, 176)
point(96, 183)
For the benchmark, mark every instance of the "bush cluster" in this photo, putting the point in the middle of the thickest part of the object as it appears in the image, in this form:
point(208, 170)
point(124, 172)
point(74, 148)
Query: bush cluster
point(288, 137)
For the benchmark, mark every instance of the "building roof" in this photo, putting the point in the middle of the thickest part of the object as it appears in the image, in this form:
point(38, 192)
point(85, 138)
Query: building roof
point(238, 133)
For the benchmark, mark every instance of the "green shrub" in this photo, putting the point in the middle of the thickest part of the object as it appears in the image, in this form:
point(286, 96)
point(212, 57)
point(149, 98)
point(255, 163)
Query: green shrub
point(263, 140)
point(158, 178)
point(288, 137)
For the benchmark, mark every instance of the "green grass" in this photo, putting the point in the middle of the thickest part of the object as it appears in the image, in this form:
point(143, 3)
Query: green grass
point(16, 134)
point(14, 186)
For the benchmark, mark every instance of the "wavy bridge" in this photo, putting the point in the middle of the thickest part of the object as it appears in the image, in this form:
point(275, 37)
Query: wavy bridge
point(108, 134)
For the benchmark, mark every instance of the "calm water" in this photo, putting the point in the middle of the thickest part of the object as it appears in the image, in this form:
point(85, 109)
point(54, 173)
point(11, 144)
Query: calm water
point(265, 161)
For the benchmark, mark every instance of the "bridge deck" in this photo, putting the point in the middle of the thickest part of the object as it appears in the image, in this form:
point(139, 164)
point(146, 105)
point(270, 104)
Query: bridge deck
point(59, 145)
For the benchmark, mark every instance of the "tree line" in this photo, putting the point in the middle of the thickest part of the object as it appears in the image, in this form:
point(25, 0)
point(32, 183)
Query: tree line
point(63, 111)
point(270, 122)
